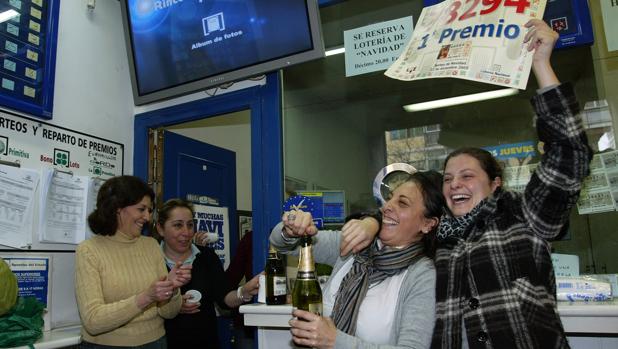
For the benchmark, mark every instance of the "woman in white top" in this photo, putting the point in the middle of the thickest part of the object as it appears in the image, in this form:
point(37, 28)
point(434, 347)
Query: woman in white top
point(384, 295)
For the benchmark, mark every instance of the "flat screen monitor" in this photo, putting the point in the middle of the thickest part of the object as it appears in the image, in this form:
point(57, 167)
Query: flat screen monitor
point(176, 47)
point(329, 205)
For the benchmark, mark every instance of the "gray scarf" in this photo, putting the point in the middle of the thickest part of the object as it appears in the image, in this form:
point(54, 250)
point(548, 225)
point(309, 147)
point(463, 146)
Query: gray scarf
point(371, 266)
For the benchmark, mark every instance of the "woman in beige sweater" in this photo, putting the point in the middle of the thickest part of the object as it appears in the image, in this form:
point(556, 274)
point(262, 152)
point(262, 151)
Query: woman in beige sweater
point(123, 289)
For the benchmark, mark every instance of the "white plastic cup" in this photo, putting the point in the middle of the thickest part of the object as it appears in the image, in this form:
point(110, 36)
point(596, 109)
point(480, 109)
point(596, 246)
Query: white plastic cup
point(195, 296)
point(262, 290)
point(207, 238)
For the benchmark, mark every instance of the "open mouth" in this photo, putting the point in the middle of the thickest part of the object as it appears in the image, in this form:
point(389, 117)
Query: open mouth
point(460, 198)
point(389, 221)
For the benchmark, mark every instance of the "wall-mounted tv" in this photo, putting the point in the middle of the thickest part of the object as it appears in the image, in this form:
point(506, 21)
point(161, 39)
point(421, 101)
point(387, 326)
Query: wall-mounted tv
point(176, 47)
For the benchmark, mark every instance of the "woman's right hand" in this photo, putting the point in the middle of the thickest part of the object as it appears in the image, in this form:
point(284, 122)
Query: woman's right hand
point(298, 223)
point(189, 308)
point(357, 234)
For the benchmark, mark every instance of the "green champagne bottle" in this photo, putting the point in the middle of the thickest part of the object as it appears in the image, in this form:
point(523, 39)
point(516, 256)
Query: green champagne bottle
point(307, 294)
point(276, 282)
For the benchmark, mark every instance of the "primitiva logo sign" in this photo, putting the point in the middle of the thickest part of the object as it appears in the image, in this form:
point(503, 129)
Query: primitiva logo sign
point(61, 157)
point(4, 145)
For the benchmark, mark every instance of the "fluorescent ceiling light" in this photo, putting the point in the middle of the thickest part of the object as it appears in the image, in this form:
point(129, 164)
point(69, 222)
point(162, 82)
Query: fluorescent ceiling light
point(334, 51)
point(6, 15)
point(447, 102)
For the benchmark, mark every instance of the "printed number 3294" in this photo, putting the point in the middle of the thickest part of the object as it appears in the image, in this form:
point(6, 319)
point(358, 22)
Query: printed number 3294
point(490, 6)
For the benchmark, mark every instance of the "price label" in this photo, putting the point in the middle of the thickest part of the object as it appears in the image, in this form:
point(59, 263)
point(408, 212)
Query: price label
point(34, 26)
point(8, 84)
point(34, 39)
point(36, 13)
point(38, 2)
point(32, 55)
point(29, 91)
point(12, 29)
point(10, 46)
point(31, 73)
point(15, 3)
point(10, 65)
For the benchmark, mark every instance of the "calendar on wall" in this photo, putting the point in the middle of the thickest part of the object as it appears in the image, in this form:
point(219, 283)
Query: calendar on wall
point(28, 37)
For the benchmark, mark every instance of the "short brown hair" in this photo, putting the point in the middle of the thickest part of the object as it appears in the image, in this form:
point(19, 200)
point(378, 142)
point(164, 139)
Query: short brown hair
point(116, 193)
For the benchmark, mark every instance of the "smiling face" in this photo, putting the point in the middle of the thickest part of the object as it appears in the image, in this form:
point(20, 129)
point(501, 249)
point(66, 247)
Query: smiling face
point(178, 230)
point(131, 219)
point(466, 184)
point(403, 217)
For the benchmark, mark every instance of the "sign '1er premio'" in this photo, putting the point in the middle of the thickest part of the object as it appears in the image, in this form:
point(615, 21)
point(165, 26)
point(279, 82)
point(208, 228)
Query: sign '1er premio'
point(480, 40)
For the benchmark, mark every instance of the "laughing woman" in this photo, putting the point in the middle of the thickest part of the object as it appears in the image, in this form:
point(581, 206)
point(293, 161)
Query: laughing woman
point(122, 287)
point(196, 324)
point(495, 282)
point(382, 297)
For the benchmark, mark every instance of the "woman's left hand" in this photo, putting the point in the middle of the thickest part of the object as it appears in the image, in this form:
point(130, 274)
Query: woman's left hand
point(251, 287)
point(180, 274)
point(313, 330)
point(189, 308)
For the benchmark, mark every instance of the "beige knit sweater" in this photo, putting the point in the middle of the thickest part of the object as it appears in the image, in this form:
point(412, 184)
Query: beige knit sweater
point(110, 271)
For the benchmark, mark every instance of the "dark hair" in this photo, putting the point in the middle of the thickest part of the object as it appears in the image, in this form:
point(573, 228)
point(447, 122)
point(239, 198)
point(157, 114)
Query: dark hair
point(430, 185)
point(116, 193)
point(163, 213)
point(488, 163)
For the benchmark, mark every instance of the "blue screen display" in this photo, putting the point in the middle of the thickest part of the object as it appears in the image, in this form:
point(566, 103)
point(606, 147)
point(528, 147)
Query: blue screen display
point(328, 206)
point(179, 41)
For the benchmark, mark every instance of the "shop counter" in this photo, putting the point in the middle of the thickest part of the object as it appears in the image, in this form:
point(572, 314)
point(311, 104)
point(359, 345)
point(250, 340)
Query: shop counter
point(598, 322)
point(273, 329)
point(589, 318)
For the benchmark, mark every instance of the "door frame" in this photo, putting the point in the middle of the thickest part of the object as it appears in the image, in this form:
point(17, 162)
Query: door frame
point(265, 105)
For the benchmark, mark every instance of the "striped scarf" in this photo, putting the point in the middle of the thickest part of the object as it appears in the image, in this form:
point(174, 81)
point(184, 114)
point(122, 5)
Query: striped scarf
point(457, 227)
point(371, 267)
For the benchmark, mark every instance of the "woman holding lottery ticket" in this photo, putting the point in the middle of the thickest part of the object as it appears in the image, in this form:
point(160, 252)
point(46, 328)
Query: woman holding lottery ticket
point(495, 284)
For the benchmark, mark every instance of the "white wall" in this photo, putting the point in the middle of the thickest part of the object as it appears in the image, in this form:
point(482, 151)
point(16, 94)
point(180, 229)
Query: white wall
point(93, 88)
point(324, 148)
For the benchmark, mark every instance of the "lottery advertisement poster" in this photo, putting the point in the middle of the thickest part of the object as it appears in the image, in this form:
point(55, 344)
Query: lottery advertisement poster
point(475, 40)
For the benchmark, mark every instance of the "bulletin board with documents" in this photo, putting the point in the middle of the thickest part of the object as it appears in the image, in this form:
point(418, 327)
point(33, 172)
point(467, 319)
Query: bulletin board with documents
point(49, 179)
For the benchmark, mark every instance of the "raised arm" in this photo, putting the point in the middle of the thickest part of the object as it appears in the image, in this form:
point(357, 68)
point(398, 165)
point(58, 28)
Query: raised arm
point(555, 184)
point(542, 38)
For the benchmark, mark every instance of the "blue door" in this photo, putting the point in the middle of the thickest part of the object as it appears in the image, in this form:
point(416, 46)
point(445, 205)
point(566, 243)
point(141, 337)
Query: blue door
point(194, 168)
point(191, 167)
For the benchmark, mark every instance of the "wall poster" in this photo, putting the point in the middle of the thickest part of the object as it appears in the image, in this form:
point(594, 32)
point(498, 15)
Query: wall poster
point(34, 144)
